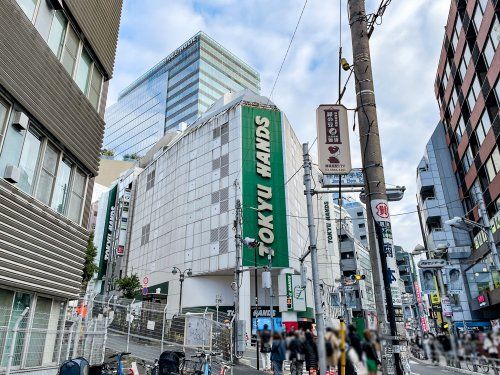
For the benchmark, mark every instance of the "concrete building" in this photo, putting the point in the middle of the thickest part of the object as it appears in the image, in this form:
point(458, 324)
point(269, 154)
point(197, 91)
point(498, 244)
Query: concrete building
point(468, 95)
point(184, 212)
point(355, 259)
point(176, 90)
point(55, 62)
point(437, 201)
point(357, 212)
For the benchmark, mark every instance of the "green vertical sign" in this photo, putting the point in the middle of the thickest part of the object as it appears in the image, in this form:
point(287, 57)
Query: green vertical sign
point(263, 187)
point(107, 232)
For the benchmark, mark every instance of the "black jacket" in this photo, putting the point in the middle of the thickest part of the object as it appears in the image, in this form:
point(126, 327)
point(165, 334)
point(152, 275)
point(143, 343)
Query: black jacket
point(356, 343)
point(311, 352)
point(296, 347)
point(370, 351)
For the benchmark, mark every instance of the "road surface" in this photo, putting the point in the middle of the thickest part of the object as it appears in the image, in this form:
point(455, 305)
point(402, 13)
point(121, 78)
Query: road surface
point(419, 368)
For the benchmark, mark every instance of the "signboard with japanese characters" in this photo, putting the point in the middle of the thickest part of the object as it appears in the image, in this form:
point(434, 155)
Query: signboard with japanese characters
point(380, 211)
point(354, 178)
point(334, 154)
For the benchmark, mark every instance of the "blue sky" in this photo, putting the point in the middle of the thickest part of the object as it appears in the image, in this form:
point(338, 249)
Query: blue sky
point(405, 50)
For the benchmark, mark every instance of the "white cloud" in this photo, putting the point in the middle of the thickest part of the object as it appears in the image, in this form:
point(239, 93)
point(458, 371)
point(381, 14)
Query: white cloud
point(405, 50)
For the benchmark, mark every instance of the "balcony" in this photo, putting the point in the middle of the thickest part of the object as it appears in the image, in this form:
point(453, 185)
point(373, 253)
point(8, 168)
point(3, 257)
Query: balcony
point(430, 209)
point(424, 179)
point(346, 246)
point(348, 264)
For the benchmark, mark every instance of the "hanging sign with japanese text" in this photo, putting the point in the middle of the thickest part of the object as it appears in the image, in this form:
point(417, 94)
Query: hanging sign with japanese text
point(380, 211)
point(334, 153)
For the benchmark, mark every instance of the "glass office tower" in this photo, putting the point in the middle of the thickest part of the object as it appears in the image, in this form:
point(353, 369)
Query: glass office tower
point(178, 89)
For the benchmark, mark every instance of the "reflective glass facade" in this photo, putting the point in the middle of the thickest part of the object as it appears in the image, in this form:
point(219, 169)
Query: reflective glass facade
point(178, 89)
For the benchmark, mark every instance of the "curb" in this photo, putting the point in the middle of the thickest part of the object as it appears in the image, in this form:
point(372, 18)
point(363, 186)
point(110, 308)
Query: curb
point(449, 368)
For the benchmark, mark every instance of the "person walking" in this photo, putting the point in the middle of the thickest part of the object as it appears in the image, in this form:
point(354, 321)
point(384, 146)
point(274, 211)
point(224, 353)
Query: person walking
point(372, 360)
point(332, 348)
point(265, 348)
point(297, 354)
point(278, 353)
point(311, 353)
point(490, 345)
point(355, 341)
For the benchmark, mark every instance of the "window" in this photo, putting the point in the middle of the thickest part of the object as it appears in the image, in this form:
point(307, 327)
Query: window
point(44, 19)
point(467, 159)
point(28, 162)
point(483, 127)
point(28, 7)
point(4, 110)
point(478, 16)
point(362, 225)
point(61, 190)
point(474, 92)
point(83, 71)
point(70, 51)
point(77, 194)
point(57, 33)
point(459, 131)
point(95, 88)
point(145, 234)
point(150, 180)
point(359, 214)
point(446, 74)
point(492, 165)
point(47, 174)
point(362, 237)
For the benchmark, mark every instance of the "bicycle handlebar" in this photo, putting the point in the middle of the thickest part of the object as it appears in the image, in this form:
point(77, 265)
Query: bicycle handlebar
point(118, 354)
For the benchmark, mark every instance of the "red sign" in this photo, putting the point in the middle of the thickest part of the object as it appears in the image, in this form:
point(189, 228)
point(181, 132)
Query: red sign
point(382, 210)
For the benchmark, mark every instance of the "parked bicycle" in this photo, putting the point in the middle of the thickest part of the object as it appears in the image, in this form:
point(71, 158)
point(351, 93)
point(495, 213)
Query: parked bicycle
point(201, 366)
point(478, 364)
point(150, 369)
point(116, 367)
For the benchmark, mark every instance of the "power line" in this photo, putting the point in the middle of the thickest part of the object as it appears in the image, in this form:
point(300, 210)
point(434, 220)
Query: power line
point(287, 50)
point(372, 18)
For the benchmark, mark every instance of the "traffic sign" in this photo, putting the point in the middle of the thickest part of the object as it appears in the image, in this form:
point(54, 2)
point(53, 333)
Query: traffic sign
point(432, 263)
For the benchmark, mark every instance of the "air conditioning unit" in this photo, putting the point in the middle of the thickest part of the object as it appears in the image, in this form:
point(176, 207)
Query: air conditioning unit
point(20, 120)
point(12, 174)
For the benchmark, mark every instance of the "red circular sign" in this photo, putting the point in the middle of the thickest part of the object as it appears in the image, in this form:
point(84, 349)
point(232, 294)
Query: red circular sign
point(382, 210)
point(145, 281)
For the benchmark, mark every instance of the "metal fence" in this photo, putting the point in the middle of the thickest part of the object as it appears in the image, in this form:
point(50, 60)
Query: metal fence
point(146, 329)
point(32, 339)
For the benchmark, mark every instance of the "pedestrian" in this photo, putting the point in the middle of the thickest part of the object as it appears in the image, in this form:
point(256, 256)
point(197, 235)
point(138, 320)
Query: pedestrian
point(278, 353)
point(265, 348)
point(297, 354)
point(332, 348)
point(490, 345)
point(355, 341)
point(372, 360)
point(311, 353)
point(426, 345)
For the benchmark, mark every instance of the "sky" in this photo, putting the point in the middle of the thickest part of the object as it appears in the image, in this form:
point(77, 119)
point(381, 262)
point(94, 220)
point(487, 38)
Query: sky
point(405, 50)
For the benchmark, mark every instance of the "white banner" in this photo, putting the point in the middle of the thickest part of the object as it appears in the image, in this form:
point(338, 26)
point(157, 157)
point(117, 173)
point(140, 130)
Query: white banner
point(334, 153)
point(380, 211)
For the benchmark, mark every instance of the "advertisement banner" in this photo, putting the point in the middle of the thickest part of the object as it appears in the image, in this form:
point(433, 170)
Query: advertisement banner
point(428, 281)
point(292, 297)
point(380, 211)
point(263, 186)
point(454, 280)
point(334, 153)
point(109, 223)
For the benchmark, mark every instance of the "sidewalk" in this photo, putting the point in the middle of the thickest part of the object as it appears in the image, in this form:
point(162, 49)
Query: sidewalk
point(442, 364)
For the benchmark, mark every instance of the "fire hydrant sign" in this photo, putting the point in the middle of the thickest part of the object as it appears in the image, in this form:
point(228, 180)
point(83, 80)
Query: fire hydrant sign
point(334, 153)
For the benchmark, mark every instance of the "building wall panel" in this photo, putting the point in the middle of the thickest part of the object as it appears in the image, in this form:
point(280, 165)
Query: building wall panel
point(31, 73)
point(40, 250)
point(99, 21)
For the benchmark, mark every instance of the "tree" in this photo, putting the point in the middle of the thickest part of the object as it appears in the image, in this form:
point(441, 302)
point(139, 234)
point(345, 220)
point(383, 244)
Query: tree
point(89, 267)
point(128, 285)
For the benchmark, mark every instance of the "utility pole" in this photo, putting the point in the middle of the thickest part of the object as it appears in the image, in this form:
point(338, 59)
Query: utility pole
point(271, 295)
point(318, 307)
point(385, 271)
point(444, 299)
point(236, 282)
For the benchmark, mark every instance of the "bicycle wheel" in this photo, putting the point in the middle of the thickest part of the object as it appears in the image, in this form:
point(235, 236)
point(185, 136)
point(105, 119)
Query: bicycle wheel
point(469, 363)
point(483, 365)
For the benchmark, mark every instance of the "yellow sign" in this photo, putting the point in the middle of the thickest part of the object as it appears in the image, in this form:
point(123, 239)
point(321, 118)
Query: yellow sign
point(435, 299)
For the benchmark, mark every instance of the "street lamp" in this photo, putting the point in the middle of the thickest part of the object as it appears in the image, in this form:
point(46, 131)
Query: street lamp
point(182, 275)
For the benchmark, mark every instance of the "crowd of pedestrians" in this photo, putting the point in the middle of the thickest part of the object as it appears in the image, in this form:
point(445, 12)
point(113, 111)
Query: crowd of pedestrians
point(300, 348)
point(469, 345)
